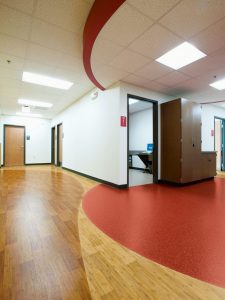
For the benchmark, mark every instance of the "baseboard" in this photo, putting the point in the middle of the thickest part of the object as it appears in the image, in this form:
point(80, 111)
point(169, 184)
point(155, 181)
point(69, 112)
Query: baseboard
point(135, 168)
point(121, 186)
point(36, 164)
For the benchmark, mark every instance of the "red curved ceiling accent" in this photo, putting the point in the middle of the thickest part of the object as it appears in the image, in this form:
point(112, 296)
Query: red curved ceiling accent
point(100, 13)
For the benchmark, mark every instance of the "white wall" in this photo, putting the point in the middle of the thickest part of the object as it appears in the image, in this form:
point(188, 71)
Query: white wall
point(208, 114)
point(91, 135)
point(38, 148)
point(140, 133)
point(94, 143)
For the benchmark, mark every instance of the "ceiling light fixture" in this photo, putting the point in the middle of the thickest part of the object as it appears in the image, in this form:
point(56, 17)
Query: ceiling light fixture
point(182, 55)
point(132, 101)
point(219, 85)
point(28, 115)
point(46, 81)
point(34, 103)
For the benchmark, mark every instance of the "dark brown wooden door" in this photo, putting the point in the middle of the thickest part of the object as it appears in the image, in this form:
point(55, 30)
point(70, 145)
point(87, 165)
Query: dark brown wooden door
point(60, 136)
point(53, 145)
point(14, 146)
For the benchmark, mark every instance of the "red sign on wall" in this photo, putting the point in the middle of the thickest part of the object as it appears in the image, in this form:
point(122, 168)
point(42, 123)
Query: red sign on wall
point(123, 121)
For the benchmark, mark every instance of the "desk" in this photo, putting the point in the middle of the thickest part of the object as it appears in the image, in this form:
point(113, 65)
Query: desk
point(145, 157)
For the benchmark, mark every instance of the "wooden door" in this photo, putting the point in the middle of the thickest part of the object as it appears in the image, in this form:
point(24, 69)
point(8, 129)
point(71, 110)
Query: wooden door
point(196, 141)
point(53, 145)
point(191, 141)
point(60, 133)
point(14, 145)
point(218, 143)
point(171, 141)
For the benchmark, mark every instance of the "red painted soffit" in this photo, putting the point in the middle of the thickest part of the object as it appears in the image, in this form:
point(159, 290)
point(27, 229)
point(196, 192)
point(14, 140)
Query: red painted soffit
point(100, 13)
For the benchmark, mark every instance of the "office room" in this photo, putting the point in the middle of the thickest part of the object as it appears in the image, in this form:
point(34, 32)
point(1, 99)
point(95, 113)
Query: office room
point(140, 145)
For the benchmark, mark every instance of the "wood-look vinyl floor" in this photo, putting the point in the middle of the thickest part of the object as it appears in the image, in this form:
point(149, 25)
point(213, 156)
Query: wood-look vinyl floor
point(221, 174)
point(40, 254)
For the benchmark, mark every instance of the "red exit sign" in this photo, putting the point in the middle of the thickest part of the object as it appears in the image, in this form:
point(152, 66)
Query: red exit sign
point(123, 121)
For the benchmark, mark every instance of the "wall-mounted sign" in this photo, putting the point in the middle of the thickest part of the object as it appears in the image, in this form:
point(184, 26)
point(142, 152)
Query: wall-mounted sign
point(123, 121)
point(212, 132)
point(28, 137)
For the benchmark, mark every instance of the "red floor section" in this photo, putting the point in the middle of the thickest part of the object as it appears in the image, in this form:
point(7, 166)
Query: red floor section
point(182, 228)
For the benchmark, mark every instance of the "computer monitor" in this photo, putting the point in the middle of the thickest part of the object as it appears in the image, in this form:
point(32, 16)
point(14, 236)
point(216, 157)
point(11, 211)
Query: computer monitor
point(149, 147)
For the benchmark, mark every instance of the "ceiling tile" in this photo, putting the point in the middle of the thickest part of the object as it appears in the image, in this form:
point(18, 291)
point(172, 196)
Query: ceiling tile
point(156, 86)
point(155, 42)
point(104, 50)
point(153, 70)
point(76, 76)
point(173, 78)
point(35, 91)
point(106, 75)
point(42, 54)
point(37, 67)
point(10, 73)
point(206, 95)
point(136, 80)
point(55, 38)
point(212, 75)
point(129, 61)
point(200, 67)
point(211, 39)
point(14, 23)
point(190, 17)
point(10, 83)
point(70, 62)
point(23, 5)
point(190, 86)
point(218, 58)
point(68, 14)
point(153, 8)
point(15, 62)
point(9, 92)
point(13, 46)
point(125, 25)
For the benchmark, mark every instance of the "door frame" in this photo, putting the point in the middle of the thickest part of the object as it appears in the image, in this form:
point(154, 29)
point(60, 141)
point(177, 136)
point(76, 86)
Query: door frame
point(53, 145)
point(155, 135)
point(222, 166)
point(24, 142)
point(58, 163)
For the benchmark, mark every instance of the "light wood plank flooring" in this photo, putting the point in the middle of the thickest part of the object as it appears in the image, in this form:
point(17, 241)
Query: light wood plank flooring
point(39, 242)
point(40, 255)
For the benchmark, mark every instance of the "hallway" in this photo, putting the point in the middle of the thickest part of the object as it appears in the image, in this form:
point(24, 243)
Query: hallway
point(40, 254)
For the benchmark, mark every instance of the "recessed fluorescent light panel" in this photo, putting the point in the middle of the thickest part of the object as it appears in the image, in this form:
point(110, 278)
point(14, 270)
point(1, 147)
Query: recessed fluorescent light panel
point(34, 103)
point(46, 81)
point(219, 85)
point(132, 101)
point(181, 56)
point(28, 115)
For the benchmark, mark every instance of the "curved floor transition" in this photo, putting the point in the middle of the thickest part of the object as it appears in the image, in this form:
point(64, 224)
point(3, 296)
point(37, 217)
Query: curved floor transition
point(182, 228)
